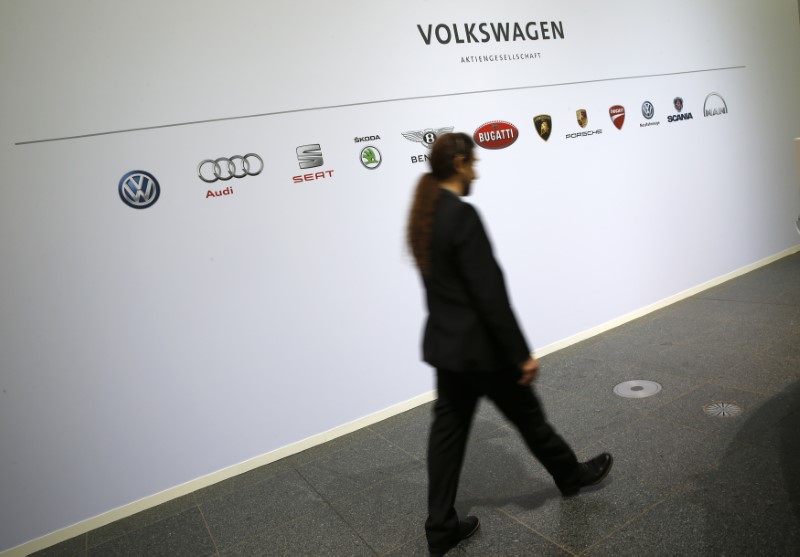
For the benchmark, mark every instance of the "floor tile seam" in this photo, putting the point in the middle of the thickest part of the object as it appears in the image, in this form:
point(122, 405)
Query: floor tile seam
point(401, 545)
point(342, 518)
point(531, 529)
point(753, 302)
point(401, 449)
point(138, 529)
point(367, 488)
point(208, 530)
point(624, 525)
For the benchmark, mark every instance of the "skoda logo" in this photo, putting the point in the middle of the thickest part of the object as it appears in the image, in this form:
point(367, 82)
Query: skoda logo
point(648, 110)
point(139, 189)
point(370, 157)
point(224, 169)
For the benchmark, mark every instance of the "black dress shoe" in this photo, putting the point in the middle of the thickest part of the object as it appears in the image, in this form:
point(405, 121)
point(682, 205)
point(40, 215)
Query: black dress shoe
point(588, 473)
point(466, 528)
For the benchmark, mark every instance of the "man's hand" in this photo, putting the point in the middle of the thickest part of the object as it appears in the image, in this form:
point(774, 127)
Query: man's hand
point(530, 370)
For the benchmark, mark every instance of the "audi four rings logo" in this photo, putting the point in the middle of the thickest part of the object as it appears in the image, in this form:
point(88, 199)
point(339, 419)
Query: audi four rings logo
point(224, 169)
point(139, 189)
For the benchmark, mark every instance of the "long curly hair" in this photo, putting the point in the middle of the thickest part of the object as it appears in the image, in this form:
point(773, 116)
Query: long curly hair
point(420, 220)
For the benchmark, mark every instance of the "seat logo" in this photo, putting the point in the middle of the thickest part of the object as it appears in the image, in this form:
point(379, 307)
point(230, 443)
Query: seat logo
point(139, 189)
point(309, 156)
point(224, 169)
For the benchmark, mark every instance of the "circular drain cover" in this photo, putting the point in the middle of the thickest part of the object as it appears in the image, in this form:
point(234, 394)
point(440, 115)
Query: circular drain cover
point(722, 409)
point(637, 388)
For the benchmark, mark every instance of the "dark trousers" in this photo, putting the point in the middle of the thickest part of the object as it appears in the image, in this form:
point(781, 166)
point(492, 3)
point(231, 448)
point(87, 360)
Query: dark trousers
point(458, 396)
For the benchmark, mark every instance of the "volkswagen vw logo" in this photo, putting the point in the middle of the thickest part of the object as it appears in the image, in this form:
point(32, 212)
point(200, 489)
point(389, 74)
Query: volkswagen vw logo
point(224, 169)
point(648, 110)
point(139, 189)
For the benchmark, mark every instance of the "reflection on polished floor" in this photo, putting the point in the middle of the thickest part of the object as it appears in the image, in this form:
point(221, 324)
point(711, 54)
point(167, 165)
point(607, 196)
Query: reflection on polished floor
point(684, 482)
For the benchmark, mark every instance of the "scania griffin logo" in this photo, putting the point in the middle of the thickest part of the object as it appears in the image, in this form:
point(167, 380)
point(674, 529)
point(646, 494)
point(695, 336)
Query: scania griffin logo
point(677, 102)
point(224, 169)
point(496, 134)
point(617, 114)
point(544, 125)
point(427, 136)
point(139, 189)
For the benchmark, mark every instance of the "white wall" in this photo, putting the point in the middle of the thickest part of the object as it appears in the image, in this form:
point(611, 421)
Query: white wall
point(140, 349)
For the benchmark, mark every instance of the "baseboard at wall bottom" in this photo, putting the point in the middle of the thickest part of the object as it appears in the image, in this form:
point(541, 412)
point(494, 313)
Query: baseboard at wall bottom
point(213, 478)
point(227, 473)
point(641, 312)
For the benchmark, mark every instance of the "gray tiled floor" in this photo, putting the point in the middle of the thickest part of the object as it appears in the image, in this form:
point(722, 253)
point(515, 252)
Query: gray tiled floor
point(683, 483)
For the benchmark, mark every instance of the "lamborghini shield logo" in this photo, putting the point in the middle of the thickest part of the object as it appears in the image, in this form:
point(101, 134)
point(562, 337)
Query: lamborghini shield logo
point(583, 118)
point(544, 125)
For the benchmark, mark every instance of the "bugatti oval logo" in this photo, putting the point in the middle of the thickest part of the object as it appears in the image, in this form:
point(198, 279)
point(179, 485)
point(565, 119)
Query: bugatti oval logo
point(496, 134)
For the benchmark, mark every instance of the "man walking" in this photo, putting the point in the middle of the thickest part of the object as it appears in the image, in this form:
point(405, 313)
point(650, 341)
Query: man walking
point(473, 340)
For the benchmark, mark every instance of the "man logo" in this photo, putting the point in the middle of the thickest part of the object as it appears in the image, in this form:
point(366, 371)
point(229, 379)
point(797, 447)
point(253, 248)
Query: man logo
point(678, 103)
point(370, 157)
point(583, 118)
point(617, 113)
point(139, 189)
point(714, 105)
point(544, 125)
point(309, 156)
point(427, 136)
point(648, 110)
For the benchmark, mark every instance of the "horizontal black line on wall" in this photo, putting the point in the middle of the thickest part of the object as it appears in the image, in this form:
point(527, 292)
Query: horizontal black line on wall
point(365, 103)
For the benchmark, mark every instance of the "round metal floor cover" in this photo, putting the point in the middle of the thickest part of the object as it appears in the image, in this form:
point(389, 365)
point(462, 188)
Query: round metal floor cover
point(637, 388)
point(722, 409)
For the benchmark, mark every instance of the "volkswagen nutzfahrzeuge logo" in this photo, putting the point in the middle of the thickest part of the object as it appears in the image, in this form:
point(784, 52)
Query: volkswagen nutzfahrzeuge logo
point(714, 105)
point(224, 169)
point(427, 137)
point(310, 156)
point(544, 125)
point(583, 117)
point(496, 134)
point(139, 189)
point(370, 157)
point(648, 111)
point(677, 102)
point(617, 114)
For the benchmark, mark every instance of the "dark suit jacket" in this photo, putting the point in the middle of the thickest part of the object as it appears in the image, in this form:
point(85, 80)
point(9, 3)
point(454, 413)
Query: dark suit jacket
point(471, 326)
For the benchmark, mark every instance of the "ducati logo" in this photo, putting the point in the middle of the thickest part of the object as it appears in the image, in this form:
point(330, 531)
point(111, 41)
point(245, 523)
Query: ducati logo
point(583, 118)
point(617, 114)
point(544, 125)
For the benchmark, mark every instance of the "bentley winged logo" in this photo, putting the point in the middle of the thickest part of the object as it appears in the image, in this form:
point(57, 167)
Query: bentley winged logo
point(427, 136)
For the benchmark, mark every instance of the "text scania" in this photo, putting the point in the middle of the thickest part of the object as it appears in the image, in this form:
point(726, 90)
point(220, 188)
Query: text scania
point(444, 33)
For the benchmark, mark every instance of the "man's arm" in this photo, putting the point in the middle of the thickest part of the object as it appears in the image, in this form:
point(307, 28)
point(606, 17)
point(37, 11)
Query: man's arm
point(486, 286)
